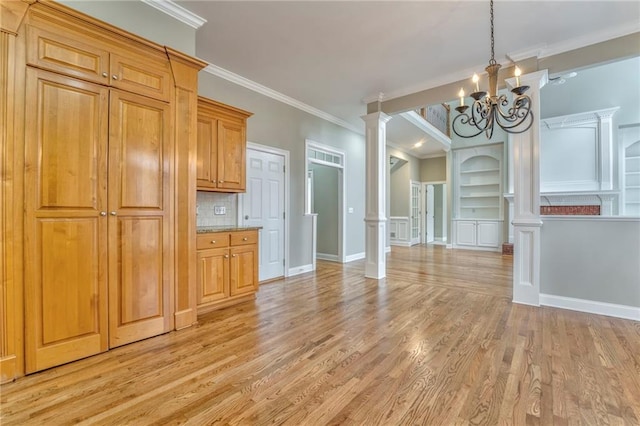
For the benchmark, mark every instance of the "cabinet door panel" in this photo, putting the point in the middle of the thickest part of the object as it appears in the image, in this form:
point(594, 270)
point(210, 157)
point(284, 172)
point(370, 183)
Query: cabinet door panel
point(243, 270)
point(65, 235)
point(146, 77)
point(53, 51)
point(231, 156)
point(207, 152)
point(139, 261)
point(489, 234)
point(213, 275)
point(466, 233)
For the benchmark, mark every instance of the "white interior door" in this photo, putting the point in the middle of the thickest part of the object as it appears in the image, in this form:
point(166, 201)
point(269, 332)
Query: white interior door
point(430, 207)
point(263, 205)
point(415, 213)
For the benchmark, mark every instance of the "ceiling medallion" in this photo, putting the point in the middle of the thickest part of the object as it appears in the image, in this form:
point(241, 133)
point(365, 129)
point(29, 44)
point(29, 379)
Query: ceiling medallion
point(489, 108)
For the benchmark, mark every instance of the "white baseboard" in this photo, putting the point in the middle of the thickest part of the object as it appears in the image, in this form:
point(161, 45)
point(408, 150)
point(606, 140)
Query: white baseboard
point(400, 243)
point(353, 257)
point(300, 270)
point(590, 306)
point(478, 248)
point(449, 246)
point(329, 257)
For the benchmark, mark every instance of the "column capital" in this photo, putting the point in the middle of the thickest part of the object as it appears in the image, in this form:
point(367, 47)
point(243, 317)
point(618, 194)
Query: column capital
point(376, 117)
point(536, 80)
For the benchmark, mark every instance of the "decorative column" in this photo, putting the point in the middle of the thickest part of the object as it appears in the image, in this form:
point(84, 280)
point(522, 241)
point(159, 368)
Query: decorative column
point(375, 196)
point(526, 199)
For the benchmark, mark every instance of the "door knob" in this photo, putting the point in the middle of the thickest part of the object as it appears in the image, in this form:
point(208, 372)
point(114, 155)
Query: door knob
point(115, 77)
point(103, 213)
point(104, 74)
point(113, 213)
point(246, 217)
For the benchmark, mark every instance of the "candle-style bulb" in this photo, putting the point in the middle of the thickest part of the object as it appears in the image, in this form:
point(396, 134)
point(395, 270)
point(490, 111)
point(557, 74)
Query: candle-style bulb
point(517, 73)
point(476, 79)
point(461, 94)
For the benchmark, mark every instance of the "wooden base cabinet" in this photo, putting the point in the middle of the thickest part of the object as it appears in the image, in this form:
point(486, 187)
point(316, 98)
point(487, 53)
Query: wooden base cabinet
point(227, 268)
point(95, 114)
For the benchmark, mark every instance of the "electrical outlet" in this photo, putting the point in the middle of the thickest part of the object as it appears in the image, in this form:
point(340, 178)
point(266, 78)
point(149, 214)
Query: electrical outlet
point(219, 210)
point(350, 209)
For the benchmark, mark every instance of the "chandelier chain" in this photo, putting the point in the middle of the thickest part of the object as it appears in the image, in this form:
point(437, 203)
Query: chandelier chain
point(492, 60)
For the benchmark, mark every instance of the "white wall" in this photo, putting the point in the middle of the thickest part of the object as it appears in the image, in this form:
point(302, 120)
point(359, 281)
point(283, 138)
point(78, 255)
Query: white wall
point(591, 258)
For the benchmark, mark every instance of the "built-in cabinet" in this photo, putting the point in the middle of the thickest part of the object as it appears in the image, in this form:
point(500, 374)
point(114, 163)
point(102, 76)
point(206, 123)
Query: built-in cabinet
point(221, 147)
point(477, 200)
point(632, 179)
point(95, 221)
point(227, 268)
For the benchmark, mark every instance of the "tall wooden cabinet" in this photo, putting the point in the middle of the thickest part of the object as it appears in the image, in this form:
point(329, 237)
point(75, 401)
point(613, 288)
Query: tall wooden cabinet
point(103, 111)
point(222, 146)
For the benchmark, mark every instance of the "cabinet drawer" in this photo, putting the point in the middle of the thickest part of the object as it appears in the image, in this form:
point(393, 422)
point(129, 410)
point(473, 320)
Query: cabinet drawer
point(244, 237)
point(212, 240)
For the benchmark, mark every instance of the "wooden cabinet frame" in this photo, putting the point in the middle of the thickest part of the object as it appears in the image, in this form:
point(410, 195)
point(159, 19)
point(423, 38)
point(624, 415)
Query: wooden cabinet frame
point(170, 76)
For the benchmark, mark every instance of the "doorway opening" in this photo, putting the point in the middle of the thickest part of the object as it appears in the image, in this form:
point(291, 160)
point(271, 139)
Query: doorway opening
point(435, 216)
point(325, 199)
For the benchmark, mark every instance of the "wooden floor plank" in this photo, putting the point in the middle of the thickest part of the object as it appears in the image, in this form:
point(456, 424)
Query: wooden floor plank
point(436, 342)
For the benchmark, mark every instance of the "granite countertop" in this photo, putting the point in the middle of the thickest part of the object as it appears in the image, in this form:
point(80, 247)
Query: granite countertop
point(206, 229)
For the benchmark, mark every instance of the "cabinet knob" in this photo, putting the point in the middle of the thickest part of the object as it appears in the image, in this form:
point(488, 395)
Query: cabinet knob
point(226, 256)
point(213, 241)
point(245, 239)
point(221, 181)
point(104, 74)
point(103, 213)
point(234, 255)
point(213, 181)
point(113, 213)
point(115, 77)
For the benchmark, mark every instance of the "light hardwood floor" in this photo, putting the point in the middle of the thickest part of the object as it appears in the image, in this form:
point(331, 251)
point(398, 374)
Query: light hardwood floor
point(436, 343)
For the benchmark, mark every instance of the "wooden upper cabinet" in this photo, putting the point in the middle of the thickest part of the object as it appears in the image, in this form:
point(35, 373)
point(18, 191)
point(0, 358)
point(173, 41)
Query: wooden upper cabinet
point(222, 144)
point(84, 56)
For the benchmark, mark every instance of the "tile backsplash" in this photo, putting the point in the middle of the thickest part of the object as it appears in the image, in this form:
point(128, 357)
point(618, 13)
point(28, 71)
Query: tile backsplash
point(206, 206)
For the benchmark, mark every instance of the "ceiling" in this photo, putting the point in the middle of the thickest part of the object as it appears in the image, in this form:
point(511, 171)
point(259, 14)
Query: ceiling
point(332, 55)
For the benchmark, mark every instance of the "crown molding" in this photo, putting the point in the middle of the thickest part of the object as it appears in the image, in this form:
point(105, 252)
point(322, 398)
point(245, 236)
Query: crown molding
point(178, 12)
point(273, 94)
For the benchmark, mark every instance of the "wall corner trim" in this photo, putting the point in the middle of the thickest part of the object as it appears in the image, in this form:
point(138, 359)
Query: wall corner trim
point(591, 306)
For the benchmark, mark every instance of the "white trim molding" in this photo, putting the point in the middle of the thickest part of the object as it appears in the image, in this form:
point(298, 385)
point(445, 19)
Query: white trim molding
point(300, 270)
point(428, 128)
point(328, 257)
point(591, 306)
point(354, 257)
point(273, 94)
point(178, 12)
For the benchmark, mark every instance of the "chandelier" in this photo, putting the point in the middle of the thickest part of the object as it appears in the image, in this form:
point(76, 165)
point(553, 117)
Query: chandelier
point(489, 109)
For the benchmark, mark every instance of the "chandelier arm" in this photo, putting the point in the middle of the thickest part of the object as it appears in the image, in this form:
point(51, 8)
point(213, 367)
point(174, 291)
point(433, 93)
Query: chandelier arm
point(467, 121)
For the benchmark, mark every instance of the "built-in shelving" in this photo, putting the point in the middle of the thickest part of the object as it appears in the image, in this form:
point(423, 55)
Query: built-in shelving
point(632, 180)
point(477, 176)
